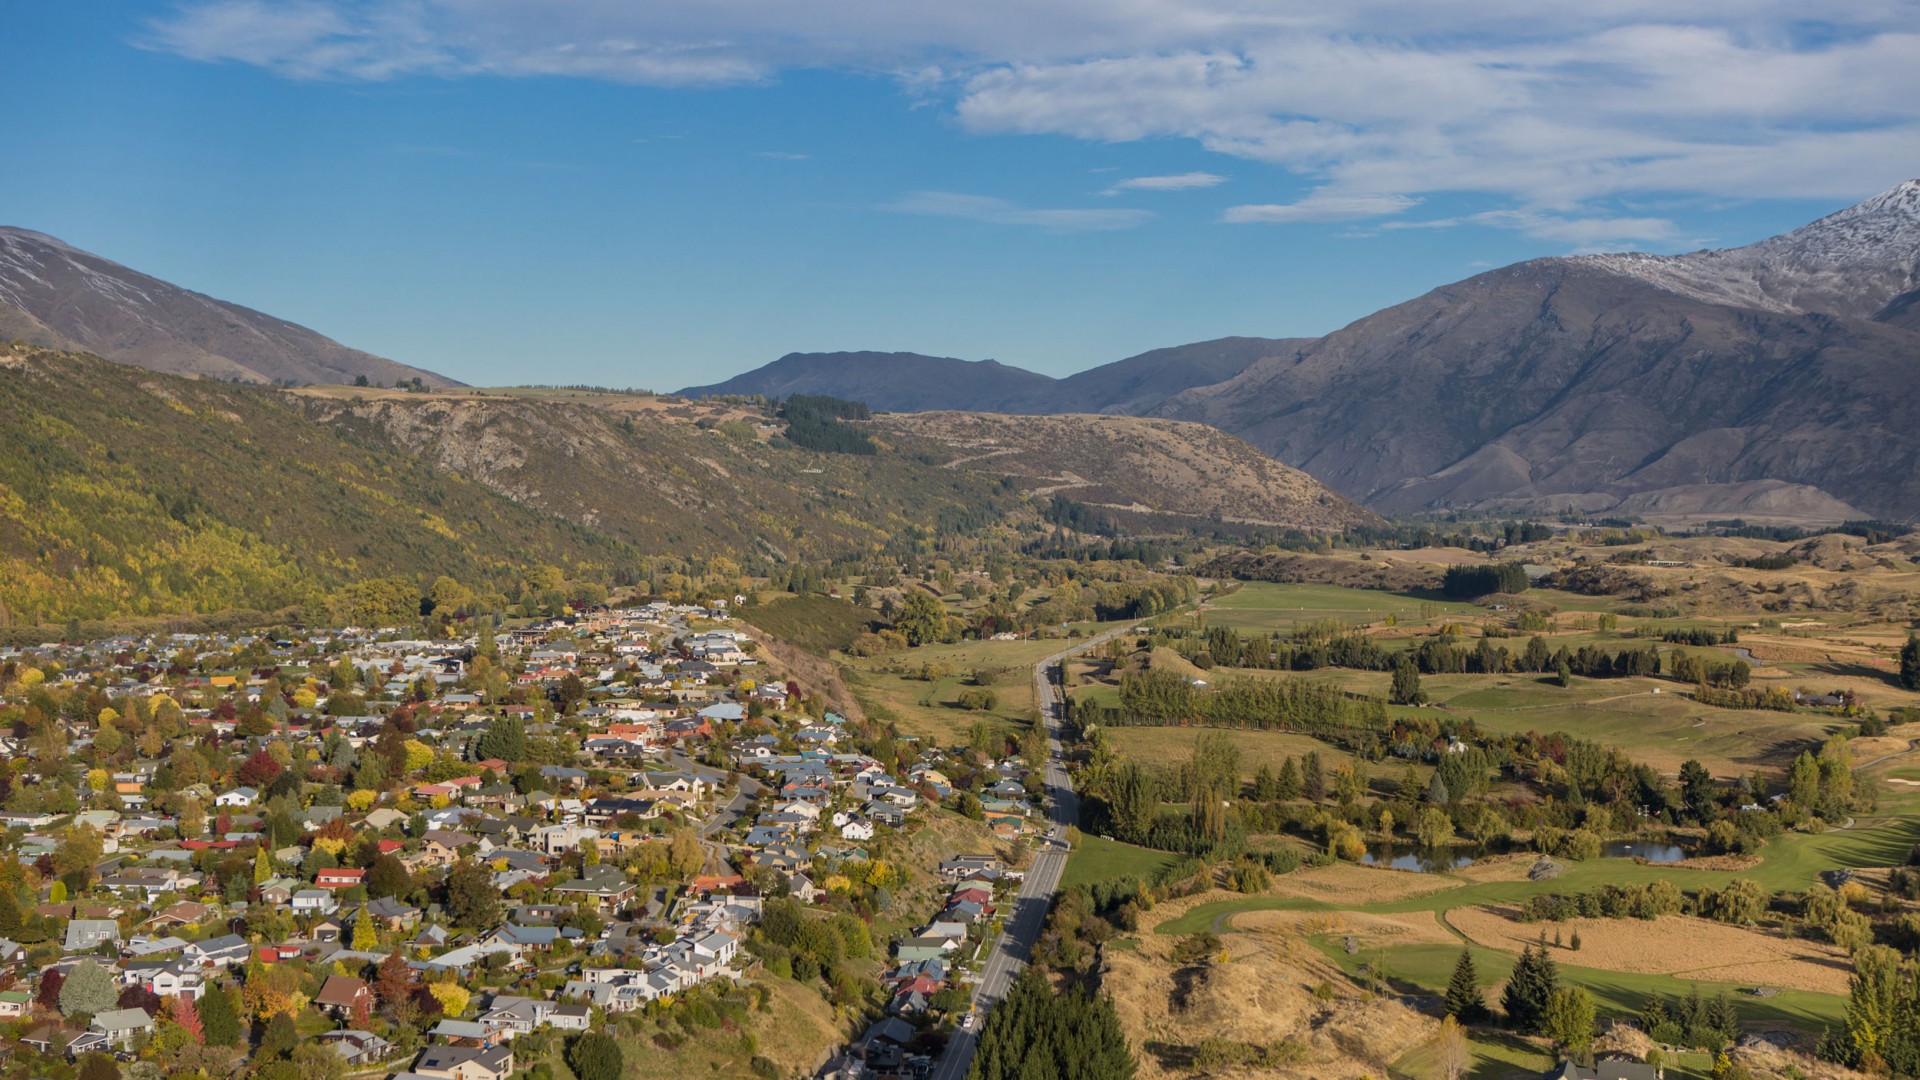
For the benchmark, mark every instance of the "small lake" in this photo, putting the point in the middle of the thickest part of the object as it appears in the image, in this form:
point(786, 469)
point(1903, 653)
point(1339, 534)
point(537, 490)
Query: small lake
point(1654, 851)
point(1418, 859)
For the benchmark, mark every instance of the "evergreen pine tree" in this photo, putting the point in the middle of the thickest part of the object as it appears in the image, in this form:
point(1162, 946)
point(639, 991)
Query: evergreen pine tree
point(1406, 683)
point(1910, 663)
point(1465, 1001)
point(1288, 784)
point(1266, 787)
point(1313, 781)
point(1529, 989)
point(217, 1019)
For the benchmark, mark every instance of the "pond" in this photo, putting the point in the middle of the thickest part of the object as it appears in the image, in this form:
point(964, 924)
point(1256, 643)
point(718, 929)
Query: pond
point(1418, 859)
point(1654, 851)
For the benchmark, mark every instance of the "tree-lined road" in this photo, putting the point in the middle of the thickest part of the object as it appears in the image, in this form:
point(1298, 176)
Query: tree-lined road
point(1021, 932)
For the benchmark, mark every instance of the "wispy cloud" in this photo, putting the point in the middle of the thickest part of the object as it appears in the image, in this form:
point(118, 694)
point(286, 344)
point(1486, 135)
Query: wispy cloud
point(1562, 111)
point(782, 155)
point(992, 211)
point(1585, 233)
point(1176, 182)
point(1320, 207)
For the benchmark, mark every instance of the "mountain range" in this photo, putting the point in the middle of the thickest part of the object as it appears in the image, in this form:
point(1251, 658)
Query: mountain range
point(1780, 379)
point(56, 296)
point(911, 382)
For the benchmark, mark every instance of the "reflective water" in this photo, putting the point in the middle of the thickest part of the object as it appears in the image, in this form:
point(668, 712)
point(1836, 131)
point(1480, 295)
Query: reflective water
point(1418, 859)
point(1657, 851)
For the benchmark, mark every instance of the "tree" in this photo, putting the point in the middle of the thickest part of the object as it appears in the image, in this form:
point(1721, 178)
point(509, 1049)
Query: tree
point(279, 1037)
point(452, 997)
point(1266, 787)
point(262, 865)
point(187, 1015)
point(1133, 801)
point(365, 937)
point(393, 982)
point(259, 770)
point(388, 877)
point(471, 898)
point(1453, 1055)
point(1872, 1000)
point(318, 1061)
point(1038, 1034)
point(922, 618)
point(595, 1056)
point(1313, 779)
point(48, 996)
point(1406, 683)
point(1432, 827)
point(1465, 1000)
point(1569, 1018)
point(1530, 988)
point(217, 1018)
point(1910, 663)
point(89, 989)
point(1288, 784)
point(97, 1066)
point(505, 739)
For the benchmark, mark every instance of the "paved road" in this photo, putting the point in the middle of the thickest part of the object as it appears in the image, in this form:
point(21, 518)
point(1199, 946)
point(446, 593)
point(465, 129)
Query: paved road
point(1022, 930)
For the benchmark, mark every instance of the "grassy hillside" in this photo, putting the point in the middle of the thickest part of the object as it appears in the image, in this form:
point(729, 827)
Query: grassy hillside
point(125, 492)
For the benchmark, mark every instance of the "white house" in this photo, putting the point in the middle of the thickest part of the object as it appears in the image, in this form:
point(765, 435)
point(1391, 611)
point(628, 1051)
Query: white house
point(240, 796)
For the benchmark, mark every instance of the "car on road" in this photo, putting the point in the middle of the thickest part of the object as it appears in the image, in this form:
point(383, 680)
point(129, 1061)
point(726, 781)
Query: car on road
point(971, 1022)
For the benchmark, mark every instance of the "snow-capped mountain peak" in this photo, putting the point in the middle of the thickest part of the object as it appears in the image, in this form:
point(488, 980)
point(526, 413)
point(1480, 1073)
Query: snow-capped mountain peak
point(1852, 262)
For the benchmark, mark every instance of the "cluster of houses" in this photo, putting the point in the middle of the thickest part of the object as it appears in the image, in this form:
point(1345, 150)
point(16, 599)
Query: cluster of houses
point(162, 909)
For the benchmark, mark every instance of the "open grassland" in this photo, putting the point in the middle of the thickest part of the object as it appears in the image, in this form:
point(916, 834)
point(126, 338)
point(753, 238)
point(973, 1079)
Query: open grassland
point(1679, 945)
point(1168, 745)
point(1096, 859)
point(1260, 605)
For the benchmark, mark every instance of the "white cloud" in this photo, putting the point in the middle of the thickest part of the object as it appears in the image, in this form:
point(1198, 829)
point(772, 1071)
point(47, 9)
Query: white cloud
point(984, 208)
point(1320, 206)
point(783, 155)
point(1561, 110)
point(1178, 182)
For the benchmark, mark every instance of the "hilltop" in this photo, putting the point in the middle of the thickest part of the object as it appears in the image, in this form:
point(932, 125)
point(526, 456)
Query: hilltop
point(55, 295)
point(1157, 469)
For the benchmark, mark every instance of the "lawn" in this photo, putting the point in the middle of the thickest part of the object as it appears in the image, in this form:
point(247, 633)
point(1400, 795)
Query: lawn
point(1170, 745)
point(1261, 605)
point(1096, 860)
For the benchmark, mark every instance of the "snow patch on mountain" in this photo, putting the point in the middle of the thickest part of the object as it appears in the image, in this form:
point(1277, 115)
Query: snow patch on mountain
point(1849, 263)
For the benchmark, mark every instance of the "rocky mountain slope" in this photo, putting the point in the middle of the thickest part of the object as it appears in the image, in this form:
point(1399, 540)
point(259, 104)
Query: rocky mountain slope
point(911, 382)
point(57, 296)
point(1161, 470)
point(1718, 382)
point(1779, 381)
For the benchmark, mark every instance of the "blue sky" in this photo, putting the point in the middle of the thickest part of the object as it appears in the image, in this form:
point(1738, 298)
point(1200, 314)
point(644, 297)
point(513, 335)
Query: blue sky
point(629, 194)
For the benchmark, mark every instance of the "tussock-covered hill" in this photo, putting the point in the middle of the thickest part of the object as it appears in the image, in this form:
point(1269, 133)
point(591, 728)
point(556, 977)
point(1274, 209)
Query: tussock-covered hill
point(1163, 468)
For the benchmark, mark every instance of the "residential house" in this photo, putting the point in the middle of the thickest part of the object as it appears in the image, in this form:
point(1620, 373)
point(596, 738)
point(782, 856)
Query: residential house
point(465, 1062)
point(340, 995)
point(358, 1049)
point(121, 1026)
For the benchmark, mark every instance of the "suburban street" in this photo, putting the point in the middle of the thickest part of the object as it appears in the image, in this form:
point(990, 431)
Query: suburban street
point(1022, 930)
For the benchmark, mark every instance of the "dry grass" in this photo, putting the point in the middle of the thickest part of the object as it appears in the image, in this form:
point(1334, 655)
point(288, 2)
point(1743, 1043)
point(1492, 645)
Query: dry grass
point(1677, 945)
point(1353, 885)
point(1261, 990)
